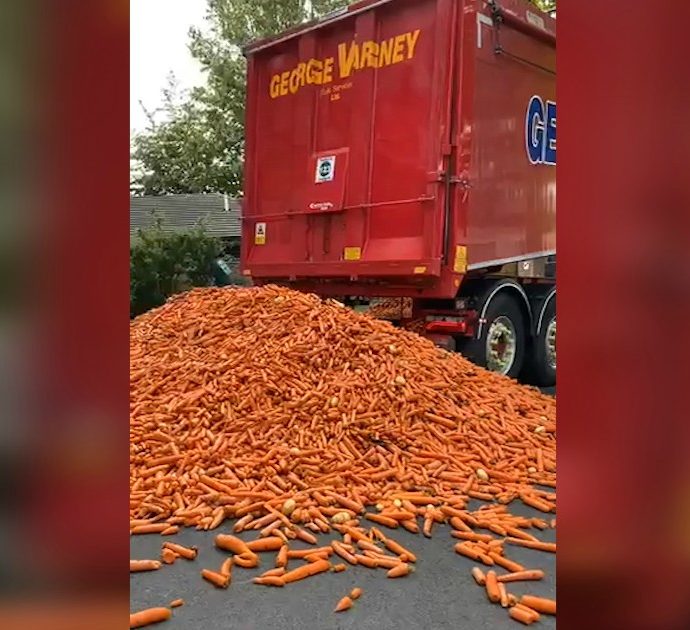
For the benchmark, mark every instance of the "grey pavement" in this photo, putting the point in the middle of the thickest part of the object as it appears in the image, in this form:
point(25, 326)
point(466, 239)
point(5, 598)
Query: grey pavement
point(440, 595)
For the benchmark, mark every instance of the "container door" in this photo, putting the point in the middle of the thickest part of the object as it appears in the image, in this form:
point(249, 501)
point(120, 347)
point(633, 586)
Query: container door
point(349, 145)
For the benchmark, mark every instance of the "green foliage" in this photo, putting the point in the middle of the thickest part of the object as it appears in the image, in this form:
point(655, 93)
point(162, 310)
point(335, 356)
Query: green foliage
point(163, 264)
point(199, 147)
point(545, 5)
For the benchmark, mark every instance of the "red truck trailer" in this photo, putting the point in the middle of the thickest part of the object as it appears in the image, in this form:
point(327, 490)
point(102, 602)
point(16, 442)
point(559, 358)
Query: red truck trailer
point(407, 149)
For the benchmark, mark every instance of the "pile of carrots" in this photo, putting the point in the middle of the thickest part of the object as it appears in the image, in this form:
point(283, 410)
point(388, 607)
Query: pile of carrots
point(292, 417)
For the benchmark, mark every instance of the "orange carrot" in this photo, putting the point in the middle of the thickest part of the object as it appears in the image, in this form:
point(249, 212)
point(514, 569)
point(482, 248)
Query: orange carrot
point(226, 568)
point(491, 586)
point(148, 617)
point(143, 565)
point(382, 520)
point(533, 614)
point(247, 560)
point(356, 593)
point(282, 558)
point(339, 568)
point(265, 544)
point(529, 574)
point(504, 594)
point(305, 571)
point(175, 603)
point(400, 570)
point(505, 562)
point(399, 550)
point(539, 546)
point(303, 553)
point(521, 615)
point(540, 604)
point(231, 543)
point(274, 572)
point(479, 576)
point(153, 528)
point(185, 552)
point(270, 580)
point(340, 549)
point(344, 604)
point(218, 580)
point(168, 556)
point(371, 563)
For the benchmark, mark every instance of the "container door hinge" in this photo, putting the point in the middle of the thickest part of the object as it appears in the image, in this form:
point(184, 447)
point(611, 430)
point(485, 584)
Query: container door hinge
point(461, 181)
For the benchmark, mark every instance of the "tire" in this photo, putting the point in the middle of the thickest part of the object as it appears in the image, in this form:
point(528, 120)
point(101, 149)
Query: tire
point(542, 368)
point(505, 329)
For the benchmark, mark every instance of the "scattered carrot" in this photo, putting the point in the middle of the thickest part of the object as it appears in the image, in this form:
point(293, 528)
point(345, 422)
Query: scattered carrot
point(148, 617)
point(189, 553)
point(539, 546)
point(231, 543)
point(226, 568)
point(294, 415)
point(400, 570)
point(305, 571)
point(356, 593)
point(339, 568)
point(175, 603)
point(153, 528)
point(503, 593)
point(521, 615)
point(533, 614)
point(218, 580)
point(274, 572)
point(399, 550)
point(265, 544)
point(540, 604)
point(270, 580)
point(168, 556)
point(143, 565)
point(344, 604)
point(479, 576)
point(518, 576)
point(491, 586)
point(247, 560)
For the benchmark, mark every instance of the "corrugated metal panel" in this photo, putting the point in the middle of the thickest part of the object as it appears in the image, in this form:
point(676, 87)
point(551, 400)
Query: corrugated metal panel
point(185, 212)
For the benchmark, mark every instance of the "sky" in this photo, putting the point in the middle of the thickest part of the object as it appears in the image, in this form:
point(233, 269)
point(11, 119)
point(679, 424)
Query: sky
point(158, 45)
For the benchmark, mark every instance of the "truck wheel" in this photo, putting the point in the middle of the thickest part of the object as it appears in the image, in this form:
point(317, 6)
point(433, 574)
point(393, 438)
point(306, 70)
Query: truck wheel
point(543, 360)
point(501, 346)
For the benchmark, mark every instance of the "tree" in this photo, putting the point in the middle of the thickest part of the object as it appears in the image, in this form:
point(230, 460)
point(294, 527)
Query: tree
point(199, 146)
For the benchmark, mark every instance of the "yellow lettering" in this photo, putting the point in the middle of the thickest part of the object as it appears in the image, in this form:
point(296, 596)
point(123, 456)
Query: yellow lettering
point(297, 78)
point(412, 39)
point(398, 48)
point(284, 82)
point(328, 70)
point(314, 75)
point(348, 59)
point(275, 86)
point(367, 54)
point(386, 53)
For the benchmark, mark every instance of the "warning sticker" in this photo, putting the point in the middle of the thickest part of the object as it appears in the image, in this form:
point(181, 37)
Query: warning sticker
point(260, 234)
point(325, 169)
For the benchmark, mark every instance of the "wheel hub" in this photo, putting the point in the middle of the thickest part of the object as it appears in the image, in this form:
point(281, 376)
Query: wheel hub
point(551, 344)
point(501, 344)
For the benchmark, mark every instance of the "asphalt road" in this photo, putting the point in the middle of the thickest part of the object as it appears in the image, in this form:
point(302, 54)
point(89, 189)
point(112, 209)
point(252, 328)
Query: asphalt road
point(440, 594)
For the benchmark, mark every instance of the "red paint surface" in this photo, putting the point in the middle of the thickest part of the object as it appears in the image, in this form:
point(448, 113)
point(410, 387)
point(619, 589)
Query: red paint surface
point(454, 110)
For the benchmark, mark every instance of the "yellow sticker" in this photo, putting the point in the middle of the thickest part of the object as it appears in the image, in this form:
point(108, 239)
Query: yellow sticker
point(419, 270)
point(460, 265)
point(352, 253)
point(260, 234)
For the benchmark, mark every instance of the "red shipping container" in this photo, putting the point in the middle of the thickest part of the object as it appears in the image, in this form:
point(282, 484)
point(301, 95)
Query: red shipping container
point(398, 145)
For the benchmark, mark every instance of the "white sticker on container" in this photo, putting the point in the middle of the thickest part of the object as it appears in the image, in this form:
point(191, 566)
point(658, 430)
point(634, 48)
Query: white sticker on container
point(260, 234)
point(325, 169)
